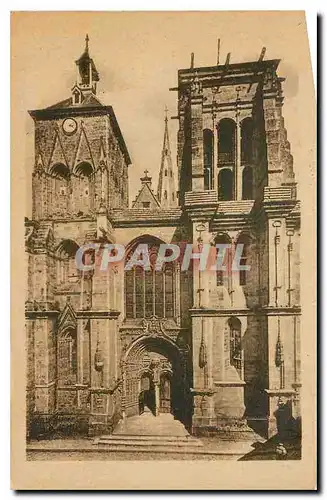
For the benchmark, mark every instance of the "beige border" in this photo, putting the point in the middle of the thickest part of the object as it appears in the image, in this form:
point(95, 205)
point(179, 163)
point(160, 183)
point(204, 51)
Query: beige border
point(165, 475)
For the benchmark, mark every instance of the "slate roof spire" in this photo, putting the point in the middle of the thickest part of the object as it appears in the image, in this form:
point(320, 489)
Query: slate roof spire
point(166, 192)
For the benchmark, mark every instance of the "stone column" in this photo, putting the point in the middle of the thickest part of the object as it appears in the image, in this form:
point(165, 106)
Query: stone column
point(277, 255)
point(238, 176)
point(197, 136)
point(157, 398)
point(44, 370)
point(103, 317)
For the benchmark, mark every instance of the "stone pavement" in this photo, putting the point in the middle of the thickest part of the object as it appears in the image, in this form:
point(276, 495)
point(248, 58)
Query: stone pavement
point(146, 437)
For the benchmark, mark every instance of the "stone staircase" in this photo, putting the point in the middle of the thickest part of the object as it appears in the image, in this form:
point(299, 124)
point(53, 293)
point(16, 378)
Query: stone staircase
point(151, 435)
point(143, 437)
point(150, 444)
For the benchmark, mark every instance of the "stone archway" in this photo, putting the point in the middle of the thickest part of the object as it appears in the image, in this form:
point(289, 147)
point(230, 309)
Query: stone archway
point(154, 378)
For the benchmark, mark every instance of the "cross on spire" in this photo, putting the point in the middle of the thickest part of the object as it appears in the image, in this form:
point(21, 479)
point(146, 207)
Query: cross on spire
point(166, 112)
point(87, 43)
point(146, 172)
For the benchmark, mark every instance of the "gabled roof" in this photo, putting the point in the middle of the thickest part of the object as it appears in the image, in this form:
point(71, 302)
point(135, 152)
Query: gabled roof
point(146, 195)
point(89, 101)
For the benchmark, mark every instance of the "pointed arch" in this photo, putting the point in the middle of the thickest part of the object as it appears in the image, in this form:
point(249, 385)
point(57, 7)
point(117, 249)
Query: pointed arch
point(149, 292)
point(83, 187)
point(76, 96)
point(59, 188)
point(83, 151)
point(67, 246)
point(84, 169)
point(57, 154)
point(162, 357)
point(66, 266)
point(144, 238)
point(67, 357)
point(59, 171)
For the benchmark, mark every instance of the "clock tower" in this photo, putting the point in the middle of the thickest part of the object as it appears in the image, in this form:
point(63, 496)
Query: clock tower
point(81, 159)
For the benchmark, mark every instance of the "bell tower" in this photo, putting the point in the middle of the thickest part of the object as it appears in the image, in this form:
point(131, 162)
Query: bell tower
point(87, 76)
point(81, 156)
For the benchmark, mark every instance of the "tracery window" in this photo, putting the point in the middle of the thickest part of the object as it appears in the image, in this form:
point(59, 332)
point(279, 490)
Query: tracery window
point(150, 292)
point(67, 358)
point(236, 359)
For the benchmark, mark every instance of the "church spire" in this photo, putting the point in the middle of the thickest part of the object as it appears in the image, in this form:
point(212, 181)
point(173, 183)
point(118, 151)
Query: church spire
point(87, 75)
point(87, 43)
point(166, 193)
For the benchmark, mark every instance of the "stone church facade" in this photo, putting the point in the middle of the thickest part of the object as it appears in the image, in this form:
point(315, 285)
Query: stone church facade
point(220, 350)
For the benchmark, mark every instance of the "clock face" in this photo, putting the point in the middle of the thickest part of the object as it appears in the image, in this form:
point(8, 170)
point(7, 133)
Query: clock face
point(69, 126)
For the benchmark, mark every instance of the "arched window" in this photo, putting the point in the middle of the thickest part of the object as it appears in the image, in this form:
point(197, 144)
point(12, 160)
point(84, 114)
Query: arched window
point(246, 140)
point(67, 357)
point(226, 141)
point(225, 185)
point(165, 195)
point(247, 183)
point(66, 268)
point(150, 292)
point(60, 171)
point(243, 273)
point(84, 169)
point(207, 157)
point(76, 96)
point(235, 328)
point(166, 172)
point(59, 182)
point(224, 275)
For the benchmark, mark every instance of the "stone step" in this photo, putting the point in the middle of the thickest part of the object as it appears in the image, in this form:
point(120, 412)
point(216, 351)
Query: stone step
point(156, 442)
point(150, 448)
point(148, 437)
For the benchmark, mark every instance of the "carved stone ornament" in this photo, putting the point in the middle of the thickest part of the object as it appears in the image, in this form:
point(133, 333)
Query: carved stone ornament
point(154, 326)
point(196, 86)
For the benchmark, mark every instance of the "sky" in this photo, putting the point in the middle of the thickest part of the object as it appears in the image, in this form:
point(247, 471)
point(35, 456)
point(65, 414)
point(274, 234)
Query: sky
point(138, 56)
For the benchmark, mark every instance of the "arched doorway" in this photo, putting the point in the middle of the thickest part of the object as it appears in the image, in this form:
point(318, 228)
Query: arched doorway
point(154, 378)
